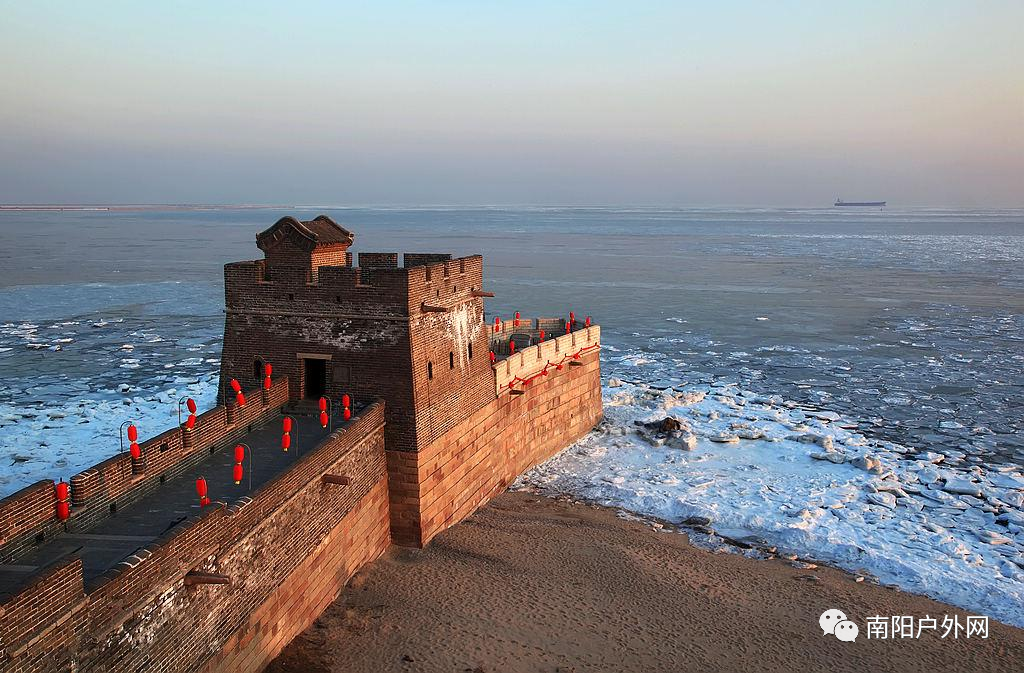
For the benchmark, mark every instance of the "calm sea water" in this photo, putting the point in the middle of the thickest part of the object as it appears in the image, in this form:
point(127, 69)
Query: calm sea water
point(908, 322)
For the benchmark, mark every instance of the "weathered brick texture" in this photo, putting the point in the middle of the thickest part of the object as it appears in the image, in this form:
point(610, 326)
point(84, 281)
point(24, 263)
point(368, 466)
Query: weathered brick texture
point(412, 335)
point(446, 481)
point(26, 517)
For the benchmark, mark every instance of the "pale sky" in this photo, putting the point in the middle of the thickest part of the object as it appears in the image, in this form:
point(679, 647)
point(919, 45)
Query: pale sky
point(477, 102)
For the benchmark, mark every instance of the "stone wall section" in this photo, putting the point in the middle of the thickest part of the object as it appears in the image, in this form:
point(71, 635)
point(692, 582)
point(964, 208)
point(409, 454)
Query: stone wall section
point(449, 479)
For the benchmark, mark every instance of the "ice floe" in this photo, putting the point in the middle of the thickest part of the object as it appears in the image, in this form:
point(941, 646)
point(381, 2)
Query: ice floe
point(58, 439)
point(808, 483)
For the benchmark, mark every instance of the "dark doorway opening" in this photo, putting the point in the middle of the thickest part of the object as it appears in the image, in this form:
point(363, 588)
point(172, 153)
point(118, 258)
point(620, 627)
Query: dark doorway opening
point(315, 378)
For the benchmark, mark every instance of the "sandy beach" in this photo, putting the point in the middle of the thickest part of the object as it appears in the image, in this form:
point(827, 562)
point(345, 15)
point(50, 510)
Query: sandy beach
point(534, 584)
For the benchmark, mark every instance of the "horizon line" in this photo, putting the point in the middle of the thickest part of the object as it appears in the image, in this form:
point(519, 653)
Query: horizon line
point(46, 207)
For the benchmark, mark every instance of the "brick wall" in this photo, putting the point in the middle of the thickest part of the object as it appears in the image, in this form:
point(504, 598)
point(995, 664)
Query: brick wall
point(450, 478)
point(142, 616)
point(26, 517)
point(361, 537)
point(40, 626)
point(451, 369)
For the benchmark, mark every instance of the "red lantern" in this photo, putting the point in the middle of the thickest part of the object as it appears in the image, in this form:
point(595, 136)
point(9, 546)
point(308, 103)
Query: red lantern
point(286, 424)
point(511, 346)
point(568, 327)
point(134, 449)
point(133, 433)
point(559, 367)
point(516, 321)
point(240, 399)
point(576, 356)
point(323, 404)
point(572, 317)
point(191, 404)
point(201, 491)
point(497, 324)
point(239, 457)
point(236, 386)
point(346, 413)
point(542, 335)
point(63, 508)
point(323, 419)
point(346, 401)
point(588, 321)
point(266, 383)
point(267, 370)
point(286, 441)
point(190, 422)
point(494, 358)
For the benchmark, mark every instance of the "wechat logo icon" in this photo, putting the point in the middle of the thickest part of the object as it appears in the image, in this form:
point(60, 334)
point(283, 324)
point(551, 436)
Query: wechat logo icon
point(834, 622)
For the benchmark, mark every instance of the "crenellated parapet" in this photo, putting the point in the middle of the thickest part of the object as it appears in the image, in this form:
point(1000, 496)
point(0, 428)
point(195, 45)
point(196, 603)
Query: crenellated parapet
point(522, 368)
point(378, 287)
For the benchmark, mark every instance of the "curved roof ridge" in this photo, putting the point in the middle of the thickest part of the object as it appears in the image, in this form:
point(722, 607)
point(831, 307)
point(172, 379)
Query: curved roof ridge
point(321, 230)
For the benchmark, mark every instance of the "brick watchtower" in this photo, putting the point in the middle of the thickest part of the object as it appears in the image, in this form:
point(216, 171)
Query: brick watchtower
point(412, 335)
point(443, 431)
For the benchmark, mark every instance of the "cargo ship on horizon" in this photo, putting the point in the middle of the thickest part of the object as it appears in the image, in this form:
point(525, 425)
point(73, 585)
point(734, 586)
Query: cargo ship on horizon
point(841, 204)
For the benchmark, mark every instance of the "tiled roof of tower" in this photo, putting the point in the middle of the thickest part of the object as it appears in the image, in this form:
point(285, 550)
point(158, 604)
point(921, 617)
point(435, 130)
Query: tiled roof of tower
point(321, 230)
point(328, 231)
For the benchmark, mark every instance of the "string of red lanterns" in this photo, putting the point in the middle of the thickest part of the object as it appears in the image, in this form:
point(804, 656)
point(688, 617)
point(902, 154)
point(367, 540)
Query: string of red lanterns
point(239, 395)
point(133, 436)
point(558, 366)
point(346, 407)
point(63, 505)
point(286, 438)
point(267, 370)
point(190, 422)
point(324, 417)
point(238, 472)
